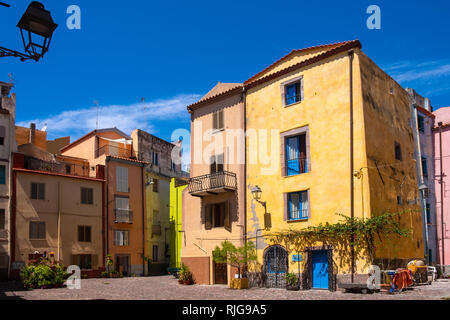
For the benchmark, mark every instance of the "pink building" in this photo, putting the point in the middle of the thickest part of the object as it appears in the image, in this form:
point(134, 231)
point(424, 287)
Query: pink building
point(442, 151)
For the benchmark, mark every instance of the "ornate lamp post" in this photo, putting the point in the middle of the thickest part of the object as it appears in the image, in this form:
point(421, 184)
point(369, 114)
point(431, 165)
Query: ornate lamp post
point(36, 28)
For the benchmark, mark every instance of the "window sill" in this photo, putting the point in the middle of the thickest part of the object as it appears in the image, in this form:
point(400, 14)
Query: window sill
point(38, 239)
point(292, 104)
point(298, 220)
point(218, 130)
point(296, 175)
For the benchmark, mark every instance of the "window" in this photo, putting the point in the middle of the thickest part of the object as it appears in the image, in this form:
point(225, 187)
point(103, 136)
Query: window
point(37, 230)
point(216, 164)
point(2, 219)
point(399, 200)
point(121, 238)
point(2, 135)
point(84, 261)
point(84, 233)
point(218, 120)
point(155, 159)
point(2, 174)
point(296, 162)
point(122, 179)
point(87, 195)
point(391, 90)
point(421, 123)
point(424, 167)
point(123, 214)
point(428, 210)
point(398, 151)
point(173, 165)
point(37, 191)
point(298, 205)
point(155, 185)
point(68, 168)
point(122, 203)
point(155, 253)
point(217, 215)
point(292, 93)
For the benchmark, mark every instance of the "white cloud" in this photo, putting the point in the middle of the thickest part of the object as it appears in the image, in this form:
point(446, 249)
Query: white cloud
point(125, 117)
point(405, 71)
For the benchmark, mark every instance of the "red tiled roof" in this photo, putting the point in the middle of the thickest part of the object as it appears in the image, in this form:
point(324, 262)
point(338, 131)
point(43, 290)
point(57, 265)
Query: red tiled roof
point(129, 159)
point(220, 89)
point(57, 174)
point(293, 52)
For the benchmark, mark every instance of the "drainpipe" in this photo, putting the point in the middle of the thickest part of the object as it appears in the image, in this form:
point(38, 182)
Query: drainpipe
point(441, 181)
point(352, 200)
point(59, 220)
point(143, 218)
point(245, 164)
point(106, 225)
point(103, 223)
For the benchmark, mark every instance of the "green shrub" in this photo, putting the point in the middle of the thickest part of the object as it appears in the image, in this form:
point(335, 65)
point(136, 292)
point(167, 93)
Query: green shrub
point(43, 276)
point(291, 279)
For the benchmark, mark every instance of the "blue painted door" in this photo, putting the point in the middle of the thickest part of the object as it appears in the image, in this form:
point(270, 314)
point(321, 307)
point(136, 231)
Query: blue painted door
point(320, 269)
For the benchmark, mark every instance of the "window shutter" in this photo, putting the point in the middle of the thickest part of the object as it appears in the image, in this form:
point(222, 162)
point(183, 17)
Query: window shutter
point(2, 131)
point(215, 124)
point(286, 204)
point(94, 261)
point(41, 189)
point(2, 174)
point(80, 233)
point(126, 238)
point(116, 238)
point(34, 191)
point(2, 219)
point(227, 216)
point(91, 196)
point(213, 165)
point(208, 216)
point(88, 234)
point(74, 259)
point(302, 154)
point(41, 230)
point(220, 119)
point(305, 204)
point(31, 231)
point(220, 163)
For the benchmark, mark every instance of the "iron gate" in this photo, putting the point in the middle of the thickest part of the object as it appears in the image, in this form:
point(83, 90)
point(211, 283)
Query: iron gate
point(276, 266)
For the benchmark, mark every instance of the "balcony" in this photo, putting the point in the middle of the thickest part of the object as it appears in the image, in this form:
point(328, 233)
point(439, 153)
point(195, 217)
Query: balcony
point(212, 184)
point(123, 216)
point(115, 151)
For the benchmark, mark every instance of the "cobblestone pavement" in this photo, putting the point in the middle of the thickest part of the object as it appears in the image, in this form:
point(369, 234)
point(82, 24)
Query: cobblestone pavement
point(166, 287)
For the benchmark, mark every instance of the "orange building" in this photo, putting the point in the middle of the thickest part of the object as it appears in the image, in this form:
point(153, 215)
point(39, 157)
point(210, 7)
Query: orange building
point(125, 202)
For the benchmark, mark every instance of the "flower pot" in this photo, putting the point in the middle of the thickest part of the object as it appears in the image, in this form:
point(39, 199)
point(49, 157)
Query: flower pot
point(180, 281)
point(293, 288)
point(239, 283)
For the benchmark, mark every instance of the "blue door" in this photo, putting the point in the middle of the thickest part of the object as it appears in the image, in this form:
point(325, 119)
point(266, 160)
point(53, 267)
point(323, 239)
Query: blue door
point(320, 269)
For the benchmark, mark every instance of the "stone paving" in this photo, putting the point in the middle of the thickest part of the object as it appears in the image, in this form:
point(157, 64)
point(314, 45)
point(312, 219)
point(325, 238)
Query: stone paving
point(166, 287)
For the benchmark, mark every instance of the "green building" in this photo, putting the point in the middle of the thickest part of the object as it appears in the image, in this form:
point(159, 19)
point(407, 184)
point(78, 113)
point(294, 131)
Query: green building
point(177, 185)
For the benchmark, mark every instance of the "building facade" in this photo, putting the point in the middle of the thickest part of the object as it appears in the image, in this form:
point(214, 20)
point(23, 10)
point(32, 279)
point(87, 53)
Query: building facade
point(441, 133)
point(125, 202)
point(7, 146)
point(56, 213)
point(159, 169)
point(422, 123)
point(213, 206)
point(177, 189)
point(338, 140)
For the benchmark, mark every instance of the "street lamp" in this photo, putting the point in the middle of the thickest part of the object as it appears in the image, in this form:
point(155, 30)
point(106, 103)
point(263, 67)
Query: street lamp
point(256, 193)
point(36, 28)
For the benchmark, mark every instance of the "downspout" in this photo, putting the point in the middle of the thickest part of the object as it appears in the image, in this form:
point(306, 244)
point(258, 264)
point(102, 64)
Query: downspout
point(12, 250)
point(441, 181)
point(352, 200)
point(143, 218)
point(103, 223)
point(245, 164)
point(106, 225)
point(59, 221)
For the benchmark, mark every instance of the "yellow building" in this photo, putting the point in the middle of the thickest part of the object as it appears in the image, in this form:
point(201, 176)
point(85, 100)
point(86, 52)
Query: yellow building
point(299, 110)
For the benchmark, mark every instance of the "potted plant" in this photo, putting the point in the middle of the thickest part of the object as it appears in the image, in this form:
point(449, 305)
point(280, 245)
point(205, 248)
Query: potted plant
point(185, 275)
point(292, 282)
point(237, 257)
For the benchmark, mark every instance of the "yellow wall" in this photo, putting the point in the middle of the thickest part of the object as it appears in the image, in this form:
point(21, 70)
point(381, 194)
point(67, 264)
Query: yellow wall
point(325, 109)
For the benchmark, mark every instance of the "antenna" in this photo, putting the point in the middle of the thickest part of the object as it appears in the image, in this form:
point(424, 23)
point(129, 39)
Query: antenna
point(96, 121)
point(11, 77)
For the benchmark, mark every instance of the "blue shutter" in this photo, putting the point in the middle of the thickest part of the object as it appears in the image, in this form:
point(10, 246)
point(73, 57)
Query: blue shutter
point(2, 174)
point(292, 156)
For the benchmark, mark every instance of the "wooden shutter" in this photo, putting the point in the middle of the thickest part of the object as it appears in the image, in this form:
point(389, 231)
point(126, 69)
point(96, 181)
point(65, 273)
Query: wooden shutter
point(220, 119)
point(41, 230)
point(34, 191)
point(2, 219)
point(41, 191)
point(80, 233)
point(31, 230)
point(126, 237)
point(227, 216)
point(220, 162)
point(208, 216)
point(87, 234)
point(215, 120)
point(302, 154)
point(286, 206)
point(116, 237)
point(213, 167)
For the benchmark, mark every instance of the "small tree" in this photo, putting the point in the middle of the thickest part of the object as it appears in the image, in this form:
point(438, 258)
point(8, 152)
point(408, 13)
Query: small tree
point(237, 257)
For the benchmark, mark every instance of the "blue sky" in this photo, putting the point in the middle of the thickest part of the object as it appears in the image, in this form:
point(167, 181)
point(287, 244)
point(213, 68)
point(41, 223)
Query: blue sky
point(171, 53)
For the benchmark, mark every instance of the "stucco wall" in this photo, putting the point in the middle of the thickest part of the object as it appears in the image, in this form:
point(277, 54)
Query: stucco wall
point(72, 215)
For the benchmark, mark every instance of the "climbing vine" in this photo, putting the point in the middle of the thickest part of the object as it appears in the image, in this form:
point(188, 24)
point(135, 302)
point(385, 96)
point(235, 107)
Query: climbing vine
point(362, 233)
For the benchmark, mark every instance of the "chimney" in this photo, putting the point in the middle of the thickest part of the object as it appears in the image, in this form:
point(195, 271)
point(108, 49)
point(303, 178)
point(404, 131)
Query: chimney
point(32, 132)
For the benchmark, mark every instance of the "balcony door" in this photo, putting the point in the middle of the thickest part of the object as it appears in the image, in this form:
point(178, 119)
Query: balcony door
point(216, 179)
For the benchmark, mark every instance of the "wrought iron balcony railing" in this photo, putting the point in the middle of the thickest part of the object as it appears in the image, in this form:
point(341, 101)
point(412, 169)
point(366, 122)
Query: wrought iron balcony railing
point(111, 150)
point(213, 183)
point(123, 216)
